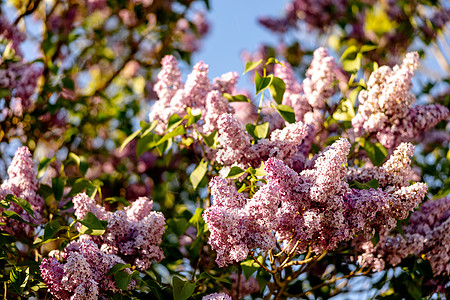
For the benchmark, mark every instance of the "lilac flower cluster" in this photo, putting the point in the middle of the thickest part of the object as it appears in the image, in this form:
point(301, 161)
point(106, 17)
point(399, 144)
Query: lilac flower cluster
point(235, 147)
point(79, 272)
point(198, 93)
point(315, 207)
point(385, 106)
point(217, 296)
point(309, 98)
point(22, 183)
point(133, 233)
point(246, 287)
point(18, 77)
point(317, 14)
point(428, 234)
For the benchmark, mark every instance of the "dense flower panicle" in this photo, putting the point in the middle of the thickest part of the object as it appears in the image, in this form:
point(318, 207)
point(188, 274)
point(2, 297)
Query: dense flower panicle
point(133, 233)
point(176, 97)
point(314, 208)
point(83, 275)
point(217, 296)
point(385, 106)
point(22, 183)
point(169, 79)
point(427, 234)
point(320, 76)
point(236, 148)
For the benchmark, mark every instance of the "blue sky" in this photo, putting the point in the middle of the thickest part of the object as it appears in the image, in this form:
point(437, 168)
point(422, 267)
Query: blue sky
point(234, 28)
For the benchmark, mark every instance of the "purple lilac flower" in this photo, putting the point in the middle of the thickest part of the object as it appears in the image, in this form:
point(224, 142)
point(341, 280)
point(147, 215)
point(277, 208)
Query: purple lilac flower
point(385, 106)
point(217, 296)
point(22, 183)
point(83, 274)
point(133, 233)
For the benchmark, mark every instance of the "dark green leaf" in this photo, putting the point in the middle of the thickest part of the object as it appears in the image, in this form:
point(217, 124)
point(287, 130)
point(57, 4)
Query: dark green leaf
point(198, 174)
point(24, 204)
point(146, 143)
point(399, 228)
point(182, 289)
point(92, 225)
point(263, 278)
point(250, 266)
point(178, 225)
point(78, 186)
point(123, 279)
point(277, 88)
point(205, 275)
point(211, 139)
point(15, 216)
point(376, 238)
point(116, 268)
point(51, 229)
point(376, 152)
point(372, 184)
point(19, 279)
point(198, 222)
point(58, 185)
point(117, 200)
point(286, 112)
point(235, 172)
point(251, 65)
point(155, 288)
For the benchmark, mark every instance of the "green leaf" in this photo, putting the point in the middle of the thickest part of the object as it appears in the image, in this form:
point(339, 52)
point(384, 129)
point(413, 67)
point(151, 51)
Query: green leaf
point(205, 275)
point(352, 65)
point(263, 278)
point(155, 288)
point(129, 139)
point(174, 121)
point(235, 172)
point(19, 279)
point(92, 225)
point(367, 48)
point(78, 186)
point(43, 164)
point(211, 139)
point(273, 60)
point(178, 225)
point(15, 216)
point(250, 266)
point(123, 279)
point(4, 93)
point(372, 184)
point(344, 111)
point(376, 152)
point(399, 228)
point(24, 204)
point(277, 88)
point(251, 65)
point(260, 171)
point(146, 143)
point(192, 118)
point(350, 50)
point(262, 83)
point(236, 98)
point(198, 174)
point(51, 229)
point(116, 268)
point(286, 112)
point(182, 289)
point(376, 238)
point(177, 131)
point(58, 185)
point(259, 131)
point(120, 200)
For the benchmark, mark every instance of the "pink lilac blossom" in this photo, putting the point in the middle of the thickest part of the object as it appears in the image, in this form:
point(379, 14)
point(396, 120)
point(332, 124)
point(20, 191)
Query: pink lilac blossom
point(217, 296)
point(235, 147)
point(428, 234)
point(196, 93)
point(22, 183)
point(133, 233)
point(314, 208)
point(12, 33)
point(83, 274)
point(385, 107)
